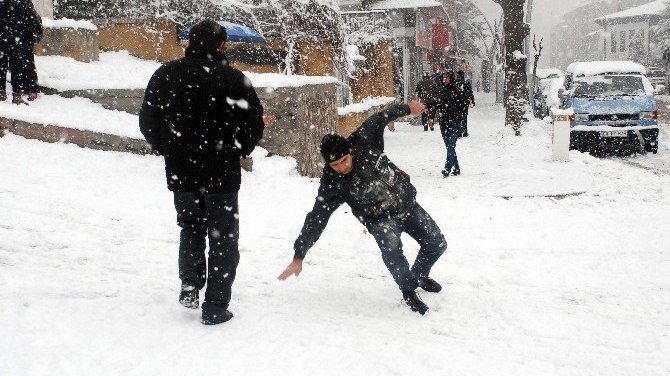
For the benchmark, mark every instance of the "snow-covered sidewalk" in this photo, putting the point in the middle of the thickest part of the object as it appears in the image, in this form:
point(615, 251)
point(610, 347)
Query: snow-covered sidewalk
point(533, 285)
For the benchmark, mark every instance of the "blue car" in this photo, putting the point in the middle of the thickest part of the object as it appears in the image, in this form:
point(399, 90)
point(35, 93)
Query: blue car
point(614, 107)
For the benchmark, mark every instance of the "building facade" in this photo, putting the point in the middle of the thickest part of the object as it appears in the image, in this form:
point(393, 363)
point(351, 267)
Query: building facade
point(629, 34)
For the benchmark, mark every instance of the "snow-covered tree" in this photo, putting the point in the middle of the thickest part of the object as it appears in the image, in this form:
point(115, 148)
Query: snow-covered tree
point(473, 31)
point(515, 32)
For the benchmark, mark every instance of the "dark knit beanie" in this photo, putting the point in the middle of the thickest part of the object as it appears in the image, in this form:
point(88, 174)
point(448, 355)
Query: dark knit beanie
point(206, 34)
point(334, 147)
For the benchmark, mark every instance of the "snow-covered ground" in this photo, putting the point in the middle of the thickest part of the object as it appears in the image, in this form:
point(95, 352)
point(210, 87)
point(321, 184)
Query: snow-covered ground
point(561, 285)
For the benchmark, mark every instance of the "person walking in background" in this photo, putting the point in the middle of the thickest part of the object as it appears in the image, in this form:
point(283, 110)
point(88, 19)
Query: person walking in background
point(451, 107)
point(203, 116)
point(382, 198)
point(466, 86)
point(426, 92)
point(20, 30)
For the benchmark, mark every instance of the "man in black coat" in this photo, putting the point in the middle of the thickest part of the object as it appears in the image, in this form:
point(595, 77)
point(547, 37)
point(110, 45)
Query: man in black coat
point(452, 106)
point(203, 116)
point(380, 195)
point(20, 29)
point(426, 92)
point(466, 86)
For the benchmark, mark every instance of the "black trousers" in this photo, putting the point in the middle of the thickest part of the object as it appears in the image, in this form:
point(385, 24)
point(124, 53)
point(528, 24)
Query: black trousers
point(214, 217)
point(19, 59)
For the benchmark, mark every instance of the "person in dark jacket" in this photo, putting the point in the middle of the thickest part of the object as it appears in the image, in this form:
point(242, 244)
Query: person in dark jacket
point(20, 29)
point(466, 86)
point(203, 116)
point(452, 106)
point(426, 92)
point(381, 196)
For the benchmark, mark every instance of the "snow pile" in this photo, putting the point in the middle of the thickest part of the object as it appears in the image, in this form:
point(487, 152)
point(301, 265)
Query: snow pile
point(366, 105)
point(66, 23)
point(593, 68)
point(115, 70)
point(80, 114)
point(120, 70)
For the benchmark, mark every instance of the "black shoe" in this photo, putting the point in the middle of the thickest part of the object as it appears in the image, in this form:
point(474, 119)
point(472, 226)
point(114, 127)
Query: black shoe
point(466, 134)
point(213, 314)
point(456, 172)
point(188, 297)
point(430, 285)
point(432, 129)
point(445, 173)
point(425, 129)
point(415, 303)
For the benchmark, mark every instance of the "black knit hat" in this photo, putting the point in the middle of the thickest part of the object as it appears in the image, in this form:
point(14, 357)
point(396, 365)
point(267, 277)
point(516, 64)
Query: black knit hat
point(206, 34)
point(334, 147)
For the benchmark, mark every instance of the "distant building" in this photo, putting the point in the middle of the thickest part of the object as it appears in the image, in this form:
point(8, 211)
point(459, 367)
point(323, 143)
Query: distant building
point(421, 36)
point(581, 37)
point(628, 33)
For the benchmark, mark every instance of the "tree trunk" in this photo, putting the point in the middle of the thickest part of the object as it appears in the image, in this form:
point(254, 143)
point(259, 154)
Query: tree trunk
point(516, 95)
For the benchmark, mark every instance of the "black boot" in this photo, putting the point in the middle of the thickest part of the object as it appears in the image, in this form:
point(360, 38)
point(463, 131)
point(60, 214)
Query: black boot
point(430, 285)
point(415, 303)
point(213, 314)
point(188, 297)
point(445, 173)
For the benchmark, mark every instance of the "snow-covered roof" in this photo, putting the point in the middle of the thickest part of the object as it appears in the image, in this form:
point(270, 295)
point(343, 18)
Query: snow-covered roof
point(547, 72)
point(650, 9)
point(406, 4)
point(593, 68)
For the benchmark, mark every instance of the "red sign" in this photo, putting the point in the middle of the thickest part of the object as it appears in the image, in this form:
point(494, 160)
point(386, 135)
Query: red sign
point(440, 36)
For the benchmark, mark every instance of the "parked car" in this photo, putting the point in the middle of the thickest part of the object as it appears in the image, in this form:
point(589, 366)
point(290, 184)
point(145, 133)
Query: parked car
point(545, 96)
point(614, 106)
point(658, 78)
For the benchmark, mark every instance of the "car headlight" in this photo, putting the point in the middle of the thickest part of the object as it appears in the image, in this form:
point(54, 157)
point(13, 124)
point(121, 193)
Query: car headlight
point(649, 115)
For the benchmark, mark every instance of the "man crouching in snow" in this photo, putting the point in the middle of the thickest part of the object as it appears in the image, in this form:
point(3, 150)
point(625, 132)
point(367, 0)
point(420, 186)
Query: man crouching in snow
point(380, 195)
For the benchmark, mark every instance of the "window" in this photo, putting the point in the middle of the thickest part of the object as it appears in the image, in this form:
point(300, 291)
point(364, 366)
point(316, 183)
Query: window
point(622, 42)
point(613, 42)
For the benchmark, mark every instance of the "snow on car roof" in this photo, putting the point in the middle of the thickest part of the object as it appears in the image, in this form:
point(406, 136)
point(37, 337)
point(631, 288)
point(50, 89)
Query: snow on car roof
point(592, 68)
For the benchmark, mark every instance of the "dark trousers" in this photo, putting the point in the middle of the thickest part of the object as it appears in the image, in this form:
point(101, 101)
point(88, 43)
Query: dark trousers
point(451, 132)
point(19, 59)
point(424, 120)
point(422, 228)
point(212, 216)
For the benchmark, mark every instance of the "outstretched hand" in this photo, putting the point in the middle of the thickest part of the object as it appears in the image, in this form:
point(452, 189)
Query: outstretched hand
point(295, 267)
point(416, 108)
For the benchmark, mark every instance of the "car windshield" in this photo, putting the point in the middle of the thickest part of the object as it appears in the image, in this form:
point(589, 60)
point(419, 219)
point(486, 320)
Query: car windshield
point(609, 86)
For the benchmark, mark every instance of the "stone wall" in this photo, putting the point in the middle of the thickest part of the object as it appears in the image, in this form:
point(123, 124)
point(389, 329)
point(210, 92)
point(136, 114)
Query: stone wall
point(79, 44)
point(304, 115)
point(376, 77)
point(149, 40)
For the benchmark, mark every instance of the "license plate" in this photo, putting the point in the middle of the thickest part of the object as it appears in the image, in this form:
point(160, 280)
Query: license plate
point(614, 134)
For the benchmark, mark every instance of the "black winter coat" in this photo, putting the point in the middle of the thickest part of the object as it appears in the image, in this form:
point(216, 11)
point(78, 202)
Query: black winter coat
point(452, 104)
point(19, 23)
point(375, 189)
point(202, 116)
